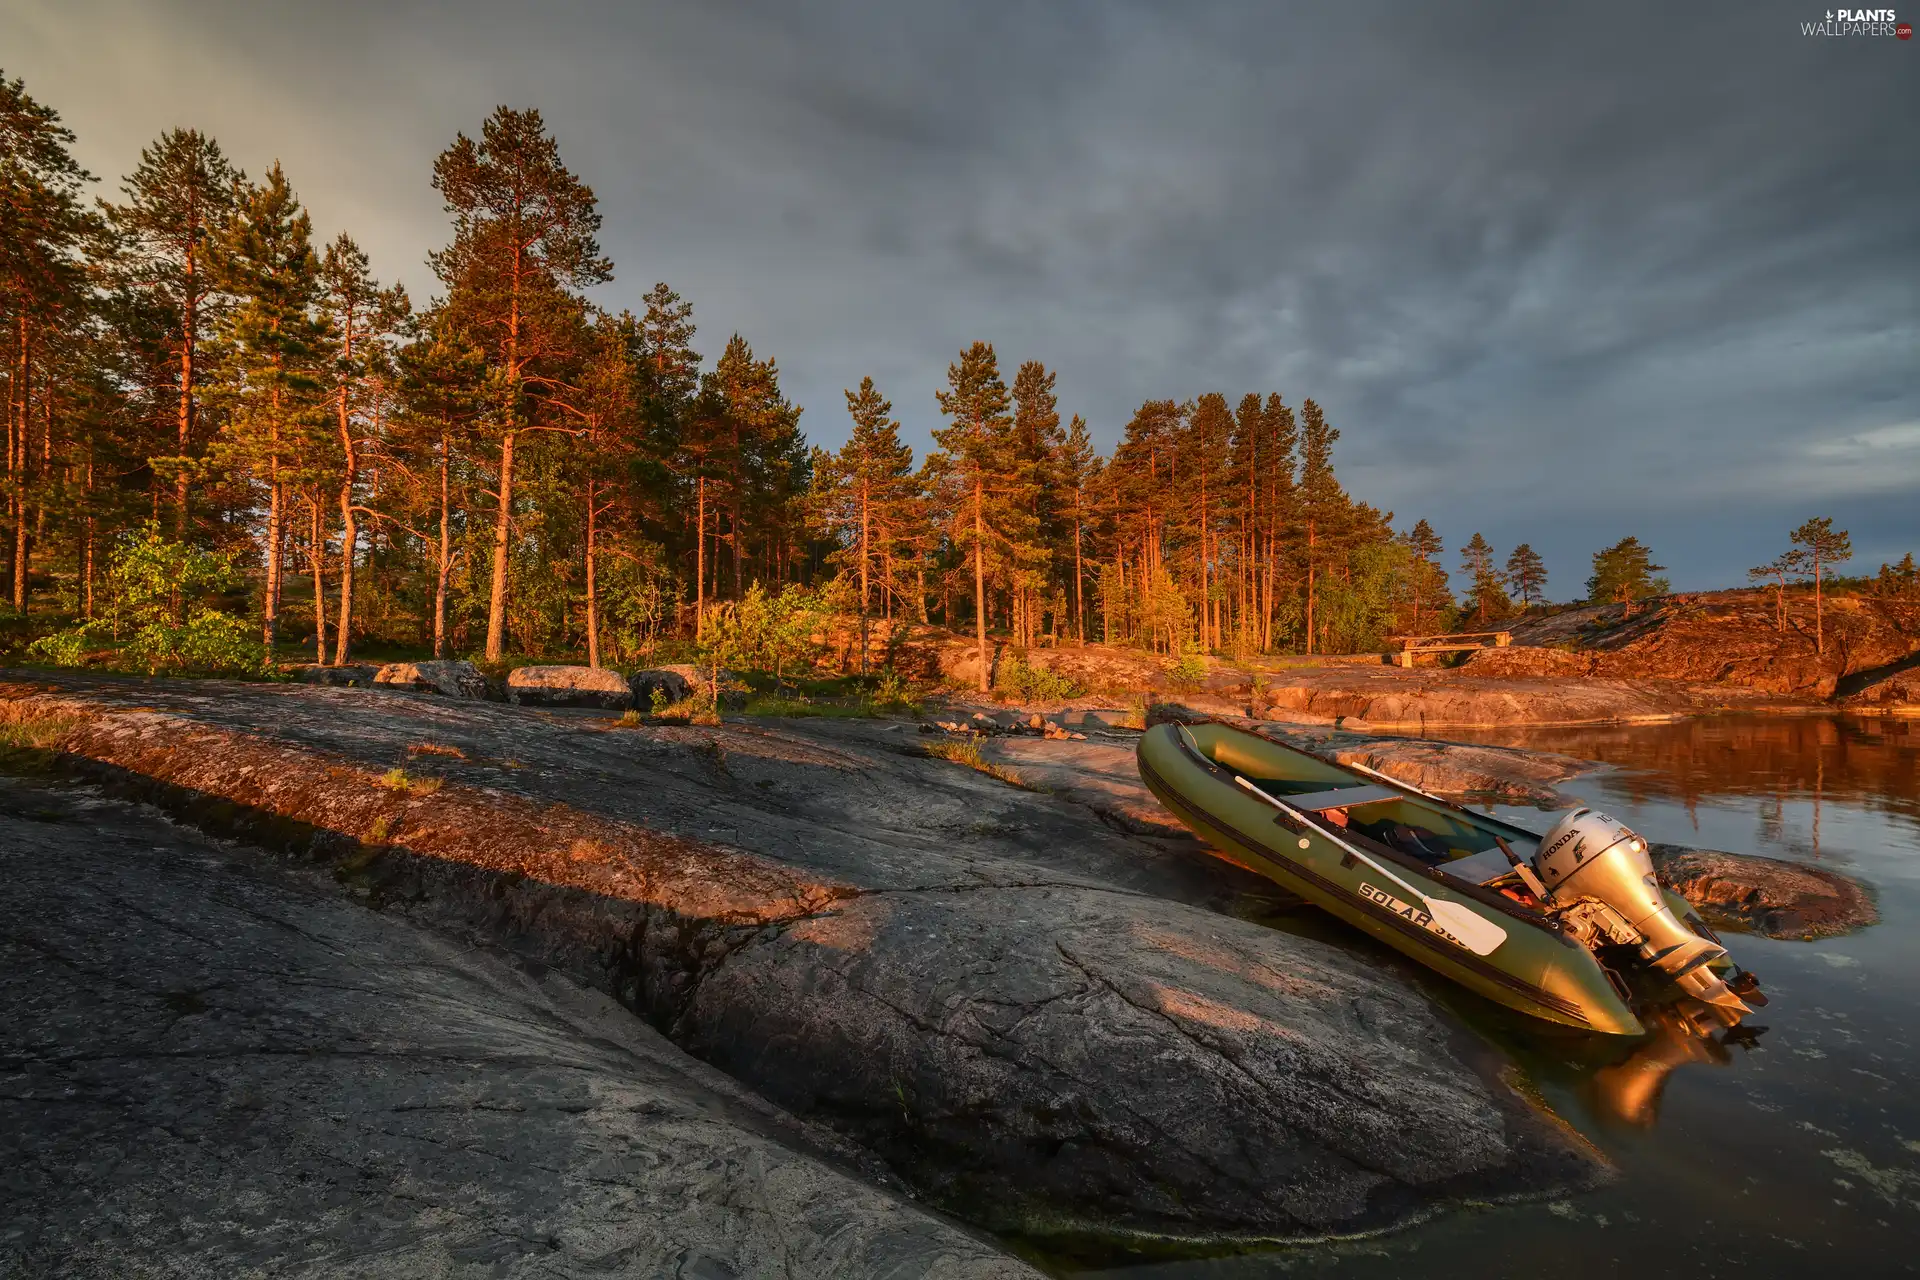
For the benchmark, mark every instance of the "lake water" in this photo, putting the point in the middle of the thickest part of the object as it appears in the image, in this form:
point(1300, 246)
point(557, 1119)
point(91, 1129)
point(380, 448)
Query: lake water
point(1796, 1153)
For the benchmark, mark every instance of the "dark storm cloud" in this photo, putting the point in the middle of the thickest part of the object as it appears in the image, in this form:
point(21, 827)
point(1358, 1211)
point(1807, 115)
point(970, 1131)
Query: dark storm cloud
point(1558, 274)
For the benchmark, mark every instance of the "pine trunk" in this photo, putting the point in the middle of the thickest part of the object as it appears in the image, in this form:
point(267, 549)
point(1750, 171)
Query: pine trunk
point(444, 566)
point(19, 454)
point(316, 558)
point(502, 531)
point(980, 578)
point(1311, 576)
point(503, 522)
point(865, 592)
point(1079, 580)
point(189, 327)
point(593, 598)
point(700, 563)
point(349, 533)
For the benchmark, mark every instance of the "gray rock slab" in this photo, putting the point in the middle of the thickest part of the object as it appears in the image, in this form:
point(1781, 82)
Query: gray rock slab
point(208, 1067)
point(958, 895)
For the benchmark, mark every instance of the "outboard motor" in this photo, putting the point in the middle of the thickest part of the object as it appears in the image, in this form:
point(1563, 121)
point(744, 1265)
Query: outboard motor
point(1601, 880)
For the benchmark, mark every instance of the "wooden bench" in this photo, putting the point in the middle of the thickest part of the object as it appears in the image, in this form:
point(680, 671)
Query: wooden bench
point(1455, 642)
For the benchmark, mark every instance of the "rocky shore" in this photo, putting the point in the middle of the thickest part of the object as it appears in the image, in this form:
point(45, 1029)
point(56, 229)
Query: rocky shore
point(218, 1066)
point(1669, 657)
point(1035, 1004)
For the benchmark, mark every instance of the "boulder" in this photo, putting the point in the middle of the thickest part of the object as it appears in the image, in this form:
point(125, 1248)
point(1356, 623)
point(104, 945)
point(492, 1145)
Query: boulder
point(1765, 895)
point(675, 683)
point(569, 687)
point(1894, 695)
point(353, 677)
point(1196, 710)
point(454, 679)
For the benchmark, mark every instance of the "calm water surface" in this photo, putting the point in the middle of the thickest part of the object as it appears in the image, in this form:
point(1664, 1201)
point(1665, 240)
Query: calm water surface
point(1797, 1154)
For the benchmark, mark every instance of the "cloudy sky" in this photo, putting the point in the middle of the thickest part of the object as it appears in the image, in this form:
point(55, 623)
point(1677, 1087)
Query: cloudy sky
point(1559, 273)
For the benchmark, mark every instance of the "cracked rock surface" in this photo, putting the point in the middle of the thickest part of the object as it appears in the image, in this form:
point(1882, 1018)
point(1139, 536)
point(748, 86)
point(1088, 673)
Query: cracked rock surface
point(213, 1067)
point(1040, 1018)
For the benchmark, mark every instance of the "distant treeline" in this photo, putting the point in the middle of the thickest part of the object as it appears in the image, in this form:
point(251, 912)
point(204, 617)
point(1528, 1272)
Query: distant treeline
point(508, 467)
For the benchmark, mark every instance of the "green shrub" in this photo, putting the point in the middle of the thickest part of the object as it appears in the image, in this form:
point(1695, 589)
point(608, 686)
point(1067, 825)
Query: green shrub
point(1032, 684)
point(1187, 670)
point(157, 607)
point(65, 648)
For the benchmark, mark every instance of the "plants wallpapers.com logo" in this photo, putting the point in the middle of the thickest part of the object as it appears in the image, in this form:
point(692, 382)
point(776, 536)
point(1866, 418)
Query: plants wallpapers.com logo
point(1859, 22)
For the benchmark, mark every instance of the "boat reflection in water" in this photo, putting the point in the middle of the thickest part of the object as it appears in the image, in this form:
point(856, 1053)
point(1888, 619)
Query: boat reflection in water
point(1628, 1092)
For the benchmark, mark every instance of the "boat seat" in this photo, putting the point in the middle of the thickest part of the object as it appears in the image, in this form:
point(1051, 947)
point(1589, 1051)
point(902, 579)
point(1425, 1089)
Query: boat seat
point(1479, 868)
point(1340, 798)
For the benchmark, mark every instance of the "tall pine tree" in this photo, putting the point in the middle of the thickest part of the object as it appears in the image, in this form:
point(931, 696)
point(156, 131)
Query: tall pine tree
point(524, 243)
point(271, 347)
point(177, 203)
point(982, 460)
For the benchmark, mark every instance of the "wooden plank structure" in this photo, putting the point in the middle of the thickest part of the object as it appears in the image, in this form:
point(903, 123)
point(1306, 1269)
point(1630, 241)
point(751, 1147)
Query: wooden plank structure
point(1454, 642)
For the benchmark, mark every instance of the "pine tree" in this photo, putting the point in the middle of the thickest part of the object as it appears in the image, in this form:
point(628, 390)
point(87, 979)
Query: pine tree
point(524, 243)
point(611, 404)
point(1077, 469)
point(1788, 564)
point(861, 492)
point(1489, 584)
point(270, 348)
point(1142, 485)
point(670, 387)
point(362, 318)
point(443, 393)
point(1031, 518)
point(43, 302)
point(1528, 573)
point(1429, 579)
point(177, 202)
point(1210, 439)
point(1821, 545)
point(980, 452)
point(755, 450)
point(1282, 505)
point(1623, 573)
point(1321, 498)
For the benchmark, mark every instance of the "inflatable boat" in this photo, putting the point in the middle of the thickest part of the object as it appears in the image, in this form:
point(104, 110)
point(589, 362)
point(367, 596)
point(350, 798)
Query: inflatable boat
point(1570, 926)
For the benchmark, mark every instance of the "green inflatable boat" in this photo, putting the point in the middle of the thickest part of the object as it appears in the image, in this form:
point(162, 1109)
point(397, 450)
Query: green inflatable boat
point(1571, 926)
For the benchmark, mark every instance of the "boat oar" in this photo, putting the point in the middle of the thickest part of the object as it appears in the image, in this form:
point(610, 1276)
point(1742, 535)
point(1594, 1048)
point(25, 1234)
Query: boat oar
point(1391, 781)
point(1476, 933)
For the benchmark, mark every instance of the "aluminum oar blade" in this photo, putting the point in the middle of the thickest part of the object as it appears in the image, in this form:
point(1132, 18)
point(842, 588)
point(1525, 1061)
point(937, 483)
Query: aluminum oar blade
point(1476, 933)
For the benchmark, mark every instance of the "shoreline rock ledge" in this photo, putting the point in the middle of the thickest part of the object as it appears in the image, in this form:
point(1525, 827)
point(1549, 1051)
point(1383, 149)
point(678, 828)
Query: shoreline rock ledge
point(1040, 1023)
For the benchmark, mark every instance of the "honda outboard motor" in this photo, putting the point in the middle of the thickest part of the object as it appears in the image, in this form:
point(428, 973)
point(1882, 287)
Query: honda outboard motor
point(1601, 879)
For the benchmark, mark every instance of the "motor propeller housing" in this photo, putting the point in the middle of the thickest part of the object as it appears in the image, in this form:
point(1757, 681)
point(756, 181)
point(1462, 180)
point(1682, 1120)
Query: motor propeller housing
point(1588, 854)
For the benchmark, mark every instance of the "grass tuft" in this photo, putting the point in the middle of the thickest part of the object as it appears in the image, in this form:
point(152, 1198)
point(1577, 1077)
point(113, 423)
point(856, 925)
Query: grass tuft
point(399, 780)
point(436, 749)
point(966, 751)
